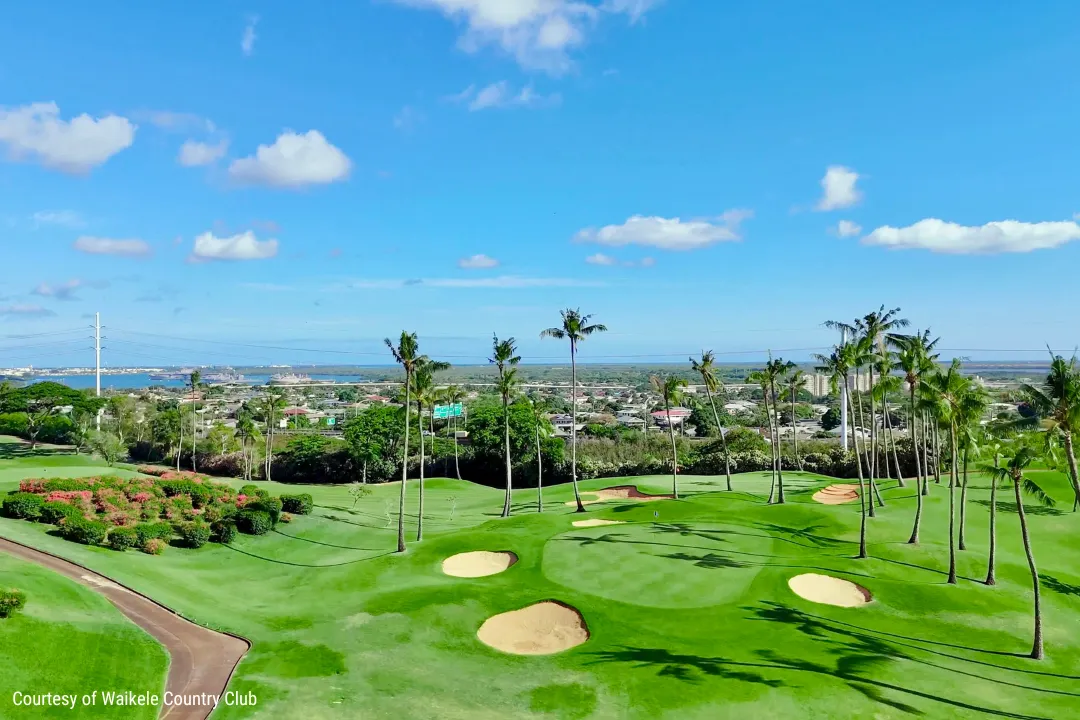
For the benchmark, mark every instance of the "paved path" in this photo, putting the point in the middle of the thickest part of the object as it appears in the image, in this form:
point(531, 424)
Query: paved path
point(201, 660)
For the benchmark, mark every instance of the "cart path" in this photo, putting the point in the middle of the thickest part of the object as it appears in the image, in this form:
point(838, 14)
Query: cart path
point(200, 660)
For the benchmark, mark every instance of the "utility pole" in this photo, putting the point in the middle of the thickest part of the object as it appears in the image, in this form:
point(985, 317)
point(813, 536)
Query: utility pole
point(97, 365)
point(843, 400)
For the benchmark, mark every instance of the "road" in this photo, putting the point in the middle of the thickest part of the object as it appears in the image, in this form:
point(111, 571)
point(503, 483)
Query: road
point(201, 660)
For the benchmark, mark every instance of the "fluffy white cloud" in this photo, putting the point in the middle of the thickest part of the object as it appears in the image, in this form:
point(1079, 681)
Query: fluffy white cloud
point(537, 33)
point(600, 259)
point(37, 132)
point(63, 218)
point(839, 189)
point(478, 262)
point(244, 246)
point(247, 40)
point(1006, 236)
point(293, 161)
point(668, 233)
point(847, 228)
point(501, 95)
point(194, 153)
point(110, 246)
point(25, 310)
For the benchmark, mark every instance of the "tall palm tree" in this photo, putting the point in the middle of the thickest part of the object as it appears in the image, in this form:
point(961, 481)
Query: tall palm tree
point(424, 393)
point(1058, 401)
point(406, 354)
point(454, 395)
point(886, 385)
point(706, 367)
point(504, 356)
point(794, 383)
point(915, 357)
point(877, 328)
point(993, 446)
point(575, 328)
point(770, 377)
point(670, 388)
point(540, 430)
point(1013, 471)
point(195, 381)
point(974, 403)
point(275, 399)
point(837, 365)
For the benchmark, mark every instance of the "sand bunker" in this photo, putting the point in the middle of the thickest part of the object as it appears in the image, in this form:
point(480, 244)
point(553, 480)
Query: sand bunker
point(837, 494)
point(829, 590)
point(542, 629)
point(479, 563)
point(621, 492)
point(596, 522)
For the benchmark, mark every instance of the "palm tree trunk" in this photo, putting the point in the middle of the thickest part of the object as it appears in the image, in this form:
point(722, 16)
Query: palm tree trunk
point(895, 455)
point(420, 431)
point(457, 465)
point(723, 440)
point(963, 502)
point(914, 539)
point(779, 461)
point(179, 448)
point(937, 453)
point(1037, 645)
point(772, 447)
point(404, 469)
point(674, 452)
point(873, 429)
point(952, 503)
point(573, 427)
point(794, 434)
point(539, 472)
point(506, 441)
point(991, 560)
point(194, 428)
point(1071, 457)
point(858, 465)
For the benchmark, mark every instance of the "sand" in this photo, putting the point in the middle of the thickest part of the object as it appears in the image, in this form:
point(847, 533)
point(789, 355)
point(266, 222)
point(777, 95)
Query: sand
point(596, 522)
point(479, 563)
point(545, 628)
point(829, 590)
point(837, 494)
point(620, 492)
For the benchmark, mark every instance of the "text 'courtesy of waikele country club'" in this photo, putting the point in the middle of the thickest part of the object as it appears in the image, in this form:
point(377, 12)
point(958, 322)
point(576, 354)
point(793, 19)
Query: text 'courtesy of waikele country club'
point(128, 698)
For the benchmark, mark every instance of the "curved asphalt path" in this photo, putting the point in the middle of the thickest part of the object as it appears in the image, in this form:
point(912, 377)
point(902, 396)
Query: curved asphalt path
point(201, 660)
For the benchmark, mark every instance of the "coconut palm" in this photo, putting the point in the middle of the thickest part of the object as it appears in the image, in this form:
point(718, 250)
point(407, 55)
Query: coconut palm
point(504, 356)
point(1058, 401)
point(670, 388)
point(915, 357)
point(195, 383)
point(974, 403)
point(794, 384)
point(425, 394)
point(575, 328)
point(992, 446)
point(454, 395)
point(407, 354)
point(837, 365)
point(886, 385)
point(1013, 472)
point(706, 367)
point(877, 328)
point(759, 377)
point(772, 376)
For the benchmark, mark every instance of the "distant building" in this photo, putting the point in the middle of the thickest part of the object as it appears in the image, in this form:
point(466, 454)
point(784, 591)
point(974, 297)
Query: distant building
point(675, 416)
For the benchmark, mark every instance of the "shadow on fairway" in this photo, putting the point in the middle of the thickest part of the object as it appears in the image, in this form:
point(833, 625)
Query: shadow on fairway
point(325, 544)
point(308, 565)
point(1010, 507)
point(1053, 584)
point(16, 451)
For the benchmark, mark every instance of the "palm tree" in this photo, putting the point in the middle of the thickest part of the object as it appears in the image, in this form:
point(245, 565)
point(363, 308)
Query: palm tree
point(1014, 471)
point(454, 395)
point(774, 374)
point(877, 328)
point(914, 359)
point(504, 356)
point(670, 388)
point(973, 405)
point(837, 366)
point(575, 327)
point(541, 429)
point(795, 382)
point(886, 385)
point(706, 367)
point(759, 377)
point(993, 446)
point(1058, 401)
point(407, 354)
point(275, 398)
point(195, 378)
point(423, 390)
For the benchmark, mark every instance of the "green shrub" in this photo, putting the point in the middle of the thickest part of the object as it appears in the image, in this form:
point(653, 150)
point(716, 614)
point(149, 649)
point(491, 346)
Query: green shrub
point(146, 532)
point(154, 546)
point(194, 534)
point(55, 511)
point(253, 491)
point(24, 506)
point(269, 505)
point(253, 522)
point(122, 538)
point(87, 532)
point(301, 504)
point(218, 511)
point(11, 601)
point(223, 531)
point(285, 517)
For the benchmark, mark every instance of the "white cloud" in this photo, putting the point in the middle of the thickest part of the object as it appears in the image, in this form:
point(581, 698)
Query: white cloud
point(63, 291)
point(75, 146)
point(839, 188)
point(244, 246)
point(293, 161)
point(501, 95)
point(478, 262)
point(194, 153)
point(110, 246)
point(501, 282)
point(600, 259)
point(26, 310)
point(847, 228)
point(63, 218)
point(1006, 236)
point(247, 40)
point(537, 33)
point(668, 234)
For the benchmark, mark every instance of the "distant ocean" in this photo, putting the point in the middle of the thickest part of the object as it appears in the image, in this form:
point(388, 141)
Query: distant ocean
point(137, 381)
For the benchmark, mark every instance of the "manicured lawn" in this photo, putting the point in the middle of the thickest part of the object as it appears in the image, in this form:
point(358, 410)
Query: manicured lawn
point(687, 604)
point(71, 640)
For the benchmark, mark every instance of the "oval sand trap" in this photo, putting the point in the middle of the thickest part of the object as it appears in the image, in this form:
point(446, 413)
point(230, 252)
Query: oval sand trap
point(619, 492)
point(837, 494)
point(479, 563)
point(545, 628)
point(829, 590)
point(596, 522)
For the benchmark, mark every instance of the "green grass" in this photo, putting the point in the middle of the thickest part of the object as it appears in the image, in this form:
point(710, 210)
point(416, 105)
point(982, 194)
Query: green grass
point(69, 640)
point(687, 605)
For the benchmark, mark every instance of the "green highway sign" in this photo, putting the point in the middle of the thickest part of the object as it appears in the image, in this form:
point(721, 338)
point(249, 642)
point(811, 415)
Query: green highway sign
point(442, 412)
point(331, 421)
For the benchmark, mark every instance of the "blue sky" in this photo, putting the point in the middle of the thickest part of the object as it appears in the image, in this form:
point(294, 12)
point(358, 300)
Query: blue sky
point(697, 175)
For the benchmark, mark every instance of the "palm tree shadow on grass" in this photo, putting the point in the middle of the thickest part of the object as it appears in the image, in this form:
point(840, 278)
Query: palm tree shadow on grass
point(1010, 507)
point(1052, 583)
point(307, 565)
point(809, 534)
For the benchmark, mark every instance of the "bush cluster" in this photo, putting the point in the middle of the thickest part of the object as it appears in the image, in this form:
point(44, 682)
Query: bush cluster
point(55, 511)
point(122, 538)
point(86, 532)
point(194, 534)
point(23, 506)
point(11, 601)
point(254, 522)
point(301, 504)
point(154, 546)
point(223, 531)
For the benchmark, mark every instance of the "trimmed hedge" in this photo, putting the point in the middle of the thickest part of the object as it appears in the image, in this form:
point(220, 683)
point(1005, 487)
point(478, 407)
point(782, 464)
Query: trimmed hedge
point(301, 504)
point(23, 506)
point(87, 532)
point(194, 534)
point(56, 511)
point(253, 522)
point(146, 532)
point(11, 601)
point(269, 505)
point(223, 531)
point(122, 538)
